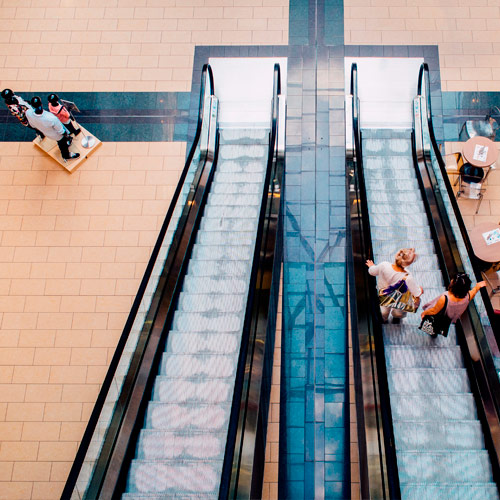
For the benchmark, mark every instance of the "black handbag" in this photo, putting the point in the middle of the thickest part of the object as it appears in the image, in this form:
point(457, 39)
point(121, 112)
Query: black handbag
point(437, 324)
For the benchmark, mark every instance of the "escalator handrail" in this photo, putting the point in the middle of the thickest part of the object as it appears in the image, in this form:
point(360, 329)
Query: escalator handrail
point(238, 478)
point(111, 372)
point(423, 77)
point(386, 468)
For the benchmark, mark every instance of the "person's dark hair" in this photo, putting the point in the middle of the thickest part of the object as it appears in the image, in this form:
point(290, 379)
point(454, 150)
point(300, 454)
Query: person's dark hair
point(53, 99)
point(460, 285)
point(7, 93)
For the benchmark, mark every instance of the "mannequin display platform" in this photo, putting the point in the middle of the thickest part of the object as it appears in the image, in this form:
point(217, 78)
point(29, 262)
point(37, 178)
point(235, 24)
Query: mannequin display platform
point(51, 148)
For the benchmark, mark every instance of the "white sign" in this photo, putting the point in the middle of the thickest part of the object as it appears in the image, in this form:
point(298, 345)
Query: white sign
point(480, 153)
point(492, 236)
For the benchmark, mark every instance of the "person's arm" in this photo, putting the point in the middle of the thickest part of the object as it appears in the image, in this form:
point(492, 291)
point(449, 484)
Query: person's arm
point(415, 289)
point(476, 289)
point(56, 124)
point(437, 307)
point(372, 268)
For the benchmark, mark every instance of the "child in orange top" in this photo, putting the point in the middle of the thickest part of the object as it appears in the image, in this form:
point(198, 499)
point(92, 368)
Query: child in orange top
point(58, 109)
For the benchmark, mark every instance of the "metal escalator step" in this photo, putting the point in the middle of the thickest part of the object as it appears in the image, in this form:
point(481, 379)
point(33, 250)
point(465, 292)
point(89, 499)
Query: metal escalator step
point(214, 284)
point(415, 380)
point(393, 195)
point(444, 467)
point(391, 146)
point(392, 164)
point(156, 445)
point(406, 334)
point(423, 357)
point(204, 390)
point(194, 322)
point(231, 212)
point(386, 232)
point(236, 188)
point(246, 177)
point(463, 491)
point(174, 477)
point(196, 302)
point(196, 366)
point(217, 268)
point(394, 220)
point(433, 407)
point(237, 167)
point(246, 200)
point(391, 173)
point(202, 342)
point(187, 417)
point(439, 436)
point(161, 496)
point(244, 135)
point(422, 246)
point(242, 152)
point(222, 252)
point(385, 208)
point(225, 238)
point(397, 185)
point(227, 224)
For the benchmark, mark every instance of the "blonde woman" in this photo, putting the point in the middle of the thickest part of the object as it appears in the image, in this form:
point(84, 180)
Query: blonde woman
point(389, 274)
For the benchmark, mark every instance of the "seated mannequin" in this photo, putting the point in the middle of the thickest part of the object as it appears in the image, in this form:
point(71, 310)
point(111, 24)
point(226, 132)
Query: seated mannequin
point(59, 110)
point(51, 126)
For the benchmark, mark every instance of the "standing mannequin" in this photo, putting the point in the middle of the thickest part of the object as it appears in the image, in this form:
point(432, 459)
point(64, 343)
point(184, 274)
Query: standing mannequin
point(59, 110)
point(51, 126)
point(18, 107)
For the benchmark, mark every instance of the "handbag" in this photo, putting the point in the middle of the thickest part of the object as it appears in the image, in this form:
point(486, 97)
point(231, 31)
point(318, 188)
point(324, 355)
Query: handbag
point(398, 296)
point(435, 324)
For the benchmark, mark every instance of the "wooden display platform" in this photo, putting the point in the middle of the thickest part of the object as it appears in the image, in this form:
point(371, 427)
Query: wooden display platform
point(52, 149)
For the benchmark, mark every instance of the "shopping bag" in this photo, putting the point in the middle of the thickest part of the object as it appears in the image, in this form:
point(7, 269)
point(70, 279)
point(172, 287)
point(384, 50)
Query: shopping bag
point(436, 324)
point(398, 296)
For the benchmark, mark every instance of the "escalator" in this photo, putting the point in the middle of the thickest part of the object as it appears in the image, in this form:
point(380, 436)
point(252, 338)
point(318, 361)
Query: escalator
point(187, 417)
point(428, 409)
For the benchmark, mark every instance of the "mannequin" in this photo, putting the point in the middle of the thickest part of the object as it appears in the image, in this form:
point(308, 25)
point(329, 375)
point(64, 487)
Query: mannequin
point(59, 110)
point(51, 126)
point(18, 107)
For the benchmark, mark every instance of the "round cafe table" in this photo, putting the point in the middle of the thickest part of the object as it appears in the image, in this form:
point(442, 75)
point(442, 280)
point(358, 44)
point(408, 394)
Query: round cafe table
point(480, 151)
point(487, 253)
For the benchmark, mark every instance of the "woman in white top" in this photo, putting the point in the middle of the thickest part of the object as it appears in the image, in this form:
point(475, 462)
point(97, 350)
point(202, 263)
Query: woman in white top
point(389, 274)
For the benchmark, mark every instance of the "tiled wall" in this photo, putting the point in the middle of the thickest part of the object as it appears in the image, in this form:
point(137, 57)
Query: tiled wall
point(467, 33)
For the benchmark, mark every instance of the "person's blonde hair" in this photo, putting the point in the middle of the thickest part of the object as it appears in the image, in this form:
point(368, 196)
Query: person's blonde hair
point(405, 257)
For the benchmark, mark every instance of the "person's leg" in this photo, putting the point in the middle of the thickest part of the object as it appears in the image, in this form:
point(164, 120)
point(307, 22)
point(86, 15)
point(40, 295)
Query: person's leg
point(64, 148)
point(72, 128)
point(397, 315)
point(385, 312)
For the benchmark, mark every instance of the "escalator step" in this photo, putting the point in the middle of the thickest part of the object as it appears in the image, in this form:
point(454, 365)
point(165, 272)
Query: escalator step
point(245, 200)
point(227, 224)
point(463, 491)
point(181, 477)
point(187, 418)
point(373, 175)
point(204, 390)
point(197, 302)
point(384, 208)
point(242, 136)
point(196, 366)
point(219, 212)
point(212, 284)
point(242, 152)
point(225, 238)
point(394, 220)
point(433, 407)
point(167, 445)
point(218, 268)
point(444, 467)
point(423, 357)
point(414, 381)
point(386, 232)
point(202, 342)
point(394, 195)
point(187, 322)
point(422, 246)
point(246, 177)
point(392, 165)
point(432, 435)
point(237, 188)
point(244, 166)
point(407, 334)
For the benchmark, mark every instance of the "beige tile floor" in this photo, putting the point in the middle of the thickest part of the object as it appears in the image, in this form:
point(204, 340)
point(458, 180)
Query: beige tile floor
point(73, 248)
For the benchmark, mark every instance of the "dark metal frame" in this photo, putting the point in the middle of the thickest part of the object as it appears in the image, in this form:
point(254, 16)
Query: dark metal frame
point(378, 471)
point(244, 459)
point(131, 401)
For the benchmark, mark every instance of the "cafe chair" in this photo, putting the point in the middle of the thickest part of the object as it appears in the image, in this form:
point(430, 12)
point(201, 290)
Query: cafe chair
point(470, 183)
point(492, 277)
point(453, 162)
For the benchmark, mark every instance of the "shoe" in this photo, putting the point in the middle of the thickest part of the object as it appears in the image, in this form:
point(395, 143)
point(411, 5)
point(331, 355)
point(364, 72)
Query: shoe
point(73, 156)
point(77, 131)
point(396, 321)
